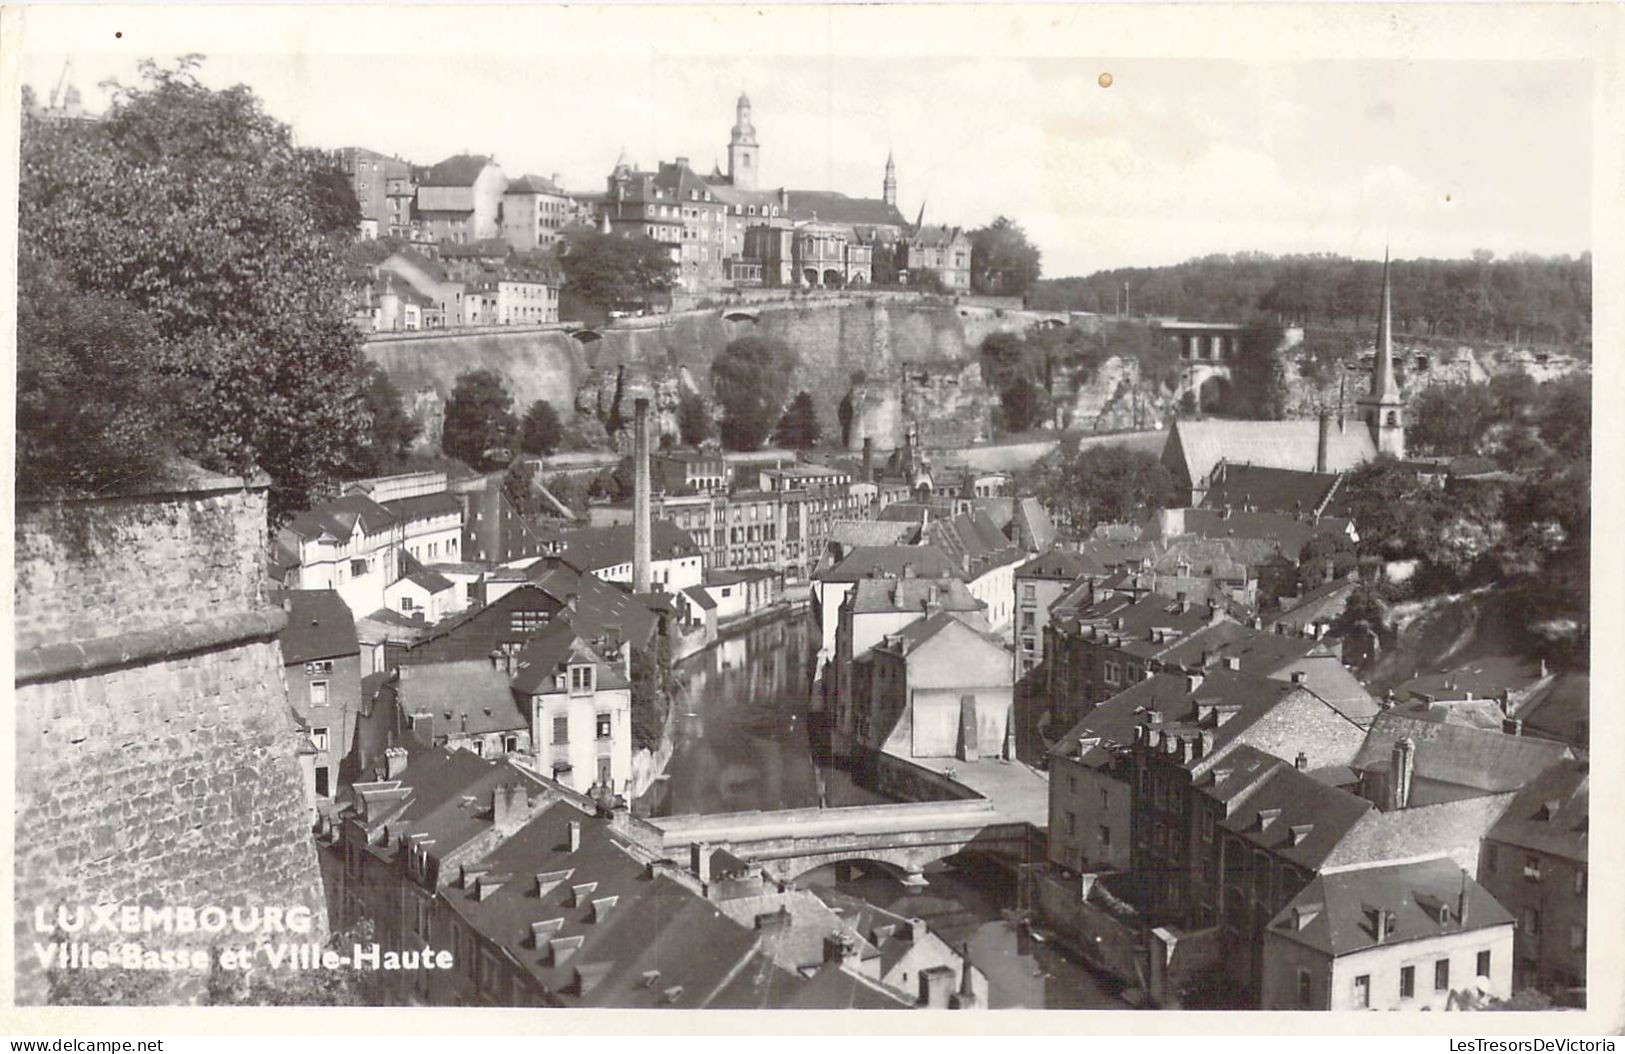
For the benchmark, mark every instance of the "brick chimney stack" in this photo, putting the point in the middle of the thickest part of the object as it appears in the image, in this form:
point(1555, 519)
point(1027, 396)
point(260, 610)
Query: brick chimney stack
point(1400, 772)
point(1323, 449)
point(641, 528)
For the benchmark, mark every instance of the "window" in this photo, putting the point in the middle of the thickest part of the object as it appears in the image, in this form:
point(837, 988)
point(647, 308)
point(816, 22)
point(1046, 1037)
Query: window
point(1483, 964)
point(324, 666)
point(561, 731)
point(1072, 784)
point(1441, 975)
point(1105, 837)
point(1029, 591)
point(1306, 989)
point(526, 621)
point(318, 736)
point(1580, 882)
point(603, 726)
point(318, 693)
point(1531, 868)
point(1407, 982)
point(1105, 798)
point(510, 744)
point(1577, 938)
point(1362, 992)
point(1531, 921)
point(1071, 823)
point(322, 788)
point(358, 568)
point(604, 776)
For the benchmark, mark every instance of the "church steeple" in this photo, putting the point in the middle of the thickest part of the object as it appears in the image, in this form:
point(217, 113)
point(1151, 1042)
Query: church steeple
point(742, 148)
point(889, 186)
point(1383, 407)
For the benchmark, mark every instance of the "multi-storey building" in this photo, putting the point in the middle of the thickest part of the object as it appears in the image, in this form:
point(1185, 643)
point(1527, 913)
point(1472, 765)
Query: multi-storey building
point(808, 255)
point(1535, 861)
point(458, 704)
point(535, 212)
point(676, 208)
point(688, 471)
point(1039, 583)
point(370, 175)
point(578, 703)
point(1409, 936)
point(460, 199)
point(944, 252)
point(322, 666)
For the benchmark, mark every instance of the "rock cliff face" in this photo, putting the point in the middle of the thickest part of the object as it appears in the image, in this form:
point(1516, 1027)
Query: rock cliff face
point(156, 752)
point(834, 339)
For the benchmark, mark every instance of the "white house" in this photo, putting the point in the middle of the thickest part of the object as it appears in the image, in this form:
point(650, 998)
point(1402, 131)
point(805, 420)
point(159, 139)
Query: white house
point(580, 710)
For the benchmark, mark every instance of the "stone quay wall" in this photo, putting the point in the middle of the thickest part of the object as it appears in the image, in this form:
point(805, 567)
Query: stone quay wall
point(156, 751)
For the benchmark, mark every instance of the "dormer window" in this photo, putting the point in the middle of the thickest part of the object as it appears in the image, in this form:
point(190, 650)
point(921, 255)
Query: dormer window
point(581, 679)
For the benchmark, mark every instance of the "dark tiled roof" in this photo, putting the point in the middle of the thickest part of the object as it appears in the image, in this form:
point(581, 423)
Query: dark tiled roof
point(528, 184)
point(467, 696)
point(320, 625)
point(1055, 563)
point(1487, 677)
point(701, 597)
point(874, 560)
point(555, 647)
point(1335, 913)
point(871, 595)
point(460, 170)
point(445, 794)
point(424, 506)
point(920, 632)
point(1562, 709)
point(1265, 489)
point(1276, 444)
point(1455, 754)
point(616, 962)
point(340, 516)
point(1552, 814)
point(1287, 532)
point(831, 207)
point(429, 580)
point(1241, 697)
point(593, 548)
point(1283, 810)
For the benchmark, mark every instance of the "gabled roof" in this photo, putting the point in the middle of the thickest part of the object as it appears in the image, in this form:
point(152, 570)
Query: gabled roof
point(601, 607)
point(424, 506)
point(875, 561)
point(830, 207)
point(459, 170)
point(921, 632)
point(1223, 701)
point(1195, 447)
point(320, 625)
point(595, 548)
point(602, 902)
point(338, 518)
point(1470, 758)
point(465, 697)
point(1033, 526)
point(1337, 913)
point(699, 595)
point(1062, 564)
point(1552, 814)
point(430, 581)
point(557, 646)
point(1561, 709)
point(444, 794)
point(528, 184)
point(1261, 488)
point(875, 595)
point(936, 235)
point(1321, 604)
point(1486, 677)
point(1287, 533)
point(1283, 810)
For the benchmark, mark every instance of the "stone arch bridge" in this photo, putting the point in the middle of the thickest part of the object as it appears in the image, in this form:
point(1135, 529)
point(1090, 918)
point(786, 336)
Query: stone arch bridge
point(902, 838)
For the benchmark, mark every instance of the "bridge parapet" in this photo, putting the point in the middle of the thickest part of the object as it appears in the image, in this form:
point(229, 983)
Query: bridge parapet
point(854, 820)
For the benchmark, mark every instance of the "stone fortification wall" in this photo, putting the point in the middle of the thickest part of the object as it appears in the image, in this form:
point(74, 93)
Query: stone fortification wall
point(156, 760)
point(833, 339)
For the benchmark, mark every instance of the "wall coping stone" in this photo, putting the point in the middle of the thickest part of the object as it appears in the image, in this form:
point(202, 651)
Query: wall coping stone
point(49, 662)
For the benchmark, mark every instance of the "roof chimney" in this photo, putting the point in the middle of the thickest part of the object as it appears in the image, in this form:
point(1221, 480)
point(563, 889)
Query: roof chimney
point(1323, 449)
point(394, 763)
point(699, 855)
point(936, 986)
point(868, 459)
point(1193, 681)
point(1301, 763)
point(641, 529)
point(1400, 773)
point(575, 835)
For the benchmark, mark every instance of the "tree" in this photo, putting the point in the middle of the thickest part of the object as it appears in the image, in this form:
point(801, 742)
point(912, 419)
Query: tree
point(76, 438)
point(883, 265)
point(1565, 421)
point(1101, 484)
point(611, 272)
point(1450, 419)
point(693, 419)
point(799, 428)
point(390, 431)
point(1022, 405)
point(1002, 261)
point(1004, 358)
point(332, 194)
point(751, 379)
point(650, 699)
point(480, 425)
point(1258, 389)
point(194, 209)
point(541, 429)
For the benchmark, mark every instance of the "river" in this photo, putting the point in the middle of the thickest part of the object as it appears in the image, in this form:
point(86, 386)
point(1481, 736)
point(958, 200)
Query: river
point(741, 743)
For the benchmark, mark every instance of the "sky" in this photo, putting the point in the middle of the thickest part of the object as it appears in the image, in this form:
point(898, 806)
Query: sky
point(1176, 158)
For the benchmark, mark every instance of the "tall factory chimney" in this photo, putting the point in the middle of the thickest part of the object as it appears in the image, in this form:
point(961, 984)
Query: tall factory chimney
point(641, 528)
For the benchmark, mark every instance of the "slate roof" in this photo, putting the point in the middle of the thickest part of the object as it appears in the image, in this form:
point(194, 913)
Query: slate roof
point(1262, 488)
point(921, 631)
point(875, 560)
point(1286, 532)
point(320, 625)
point(1487, 677)
point(854, 533)
point(1471, 758)
point(465, 697)
point(701, 597)
point(595, 548)
point(459, 170)
point(1243, 697)
point(430, 580)
point(339, 518)
point(872, 595)
point(445, 794)
point(1033, 523)
point(528, 184)
point(699, 957)
point(936, 235)
point(831, 207)
point(1321, 604)
point(1285, 811)
point(1562, 709)
point(1338, 909)
point(550, 651)
point(1197, 446)
point(1551, 814)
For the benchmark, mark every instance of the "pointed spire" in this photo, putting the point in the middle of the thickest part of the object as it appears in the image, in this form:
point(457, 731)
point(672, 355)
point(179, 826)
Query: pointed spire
point(919, 221)
point(1384, 385)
